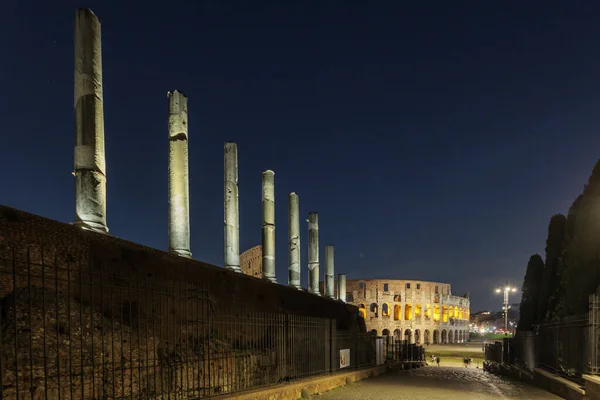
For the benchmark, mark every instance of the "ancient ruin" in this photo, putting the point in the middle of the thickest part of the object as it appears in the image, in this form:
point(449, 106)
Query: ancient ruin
point(268, 225)
point(341, 287)
point(313, 253)
point(251, 261)
point(179, 197)
point(90, 165)
point(294, 240)
point(231, 206)
point(419, 311)
point(329, 279)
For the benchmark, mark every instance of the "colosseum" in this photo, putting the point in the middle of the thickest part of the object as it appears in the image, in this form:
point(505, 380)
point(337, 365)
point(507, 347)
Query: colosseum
point(418, 311)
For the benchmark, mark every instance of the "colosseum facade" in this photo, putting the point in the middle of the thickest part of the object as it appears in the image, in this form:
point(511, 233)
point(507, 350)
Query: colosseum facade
point(251, 261)
point(419, 311)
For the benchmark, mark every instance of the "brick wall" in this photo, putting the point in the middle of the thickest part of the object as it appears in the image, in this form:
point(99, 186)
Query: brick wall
point(251, 261)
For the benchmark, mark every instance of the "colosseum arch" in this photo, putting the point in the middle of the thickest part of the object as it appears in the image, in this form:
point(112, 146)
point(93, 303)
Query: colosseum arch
point(385, 310)
point(444, 336)
point(418, 311)
point(362, 311)
point(386, 332)
point(407, 335)
point(417, 336)
point(444, 313)
point(450, 335)
point(460, 336)
point(374, 308)
point(374, 332)
point(397, 312)
point(428, 311)
point(397, 334)
point(436, 313)
point(456, 312)
point(460, 313)
point(436, 336)
point(408, 312)
point(426, 337)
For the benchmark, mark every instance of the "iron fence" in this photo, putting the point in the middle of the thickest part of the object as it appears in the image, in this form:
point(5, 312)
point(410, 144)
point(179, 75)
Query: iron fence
point(351, 351)
point(396, 350)
point(562, 347)
point(493, 352)
point(72, 330)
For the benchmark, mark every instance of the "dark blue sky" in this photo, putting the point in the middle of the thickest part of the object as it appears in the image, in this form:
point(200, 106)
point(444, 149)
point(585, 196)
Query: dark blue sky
point(435, 142)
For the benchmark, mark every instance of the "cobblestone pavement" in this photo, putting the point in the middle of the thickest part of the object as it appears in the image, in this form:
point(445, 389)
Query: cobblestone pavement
point(430, 383)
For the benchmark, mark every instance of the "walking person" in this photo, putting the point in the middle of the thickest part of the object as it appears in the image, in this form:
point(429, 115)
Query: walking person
point(437, 360)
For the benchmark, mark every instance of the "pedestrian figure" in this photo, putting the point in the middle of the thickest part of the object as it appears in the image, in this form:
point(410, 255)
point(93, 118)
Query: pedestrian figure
point(470, 361)
point(466, 361)
point(437, 360)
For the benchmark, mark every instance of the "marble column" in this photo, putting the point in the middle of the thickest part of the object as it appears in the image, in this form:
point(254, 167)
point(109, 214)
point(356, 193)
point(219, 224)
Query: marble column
point(342, 287)
point(90, 163)
point(294, 240)
point(313, 253)
point(179, 187)
point(268, 225)
point(231, 205)
point(329, 281)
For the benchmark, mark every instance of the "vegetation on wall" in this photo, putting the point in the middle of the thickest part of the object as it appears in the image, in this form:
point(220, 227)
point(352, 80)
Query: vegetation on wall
point(560, 286)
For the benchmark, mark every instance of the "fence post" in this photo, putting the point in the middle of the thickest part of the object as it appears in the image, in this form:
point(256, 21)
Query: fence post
point(328, 345)
point(334, 348)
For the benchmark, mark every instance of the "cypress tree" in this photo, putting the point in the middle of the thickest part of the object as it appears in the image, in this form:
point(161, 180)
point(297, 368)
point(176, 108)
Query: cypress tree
point(530, 292)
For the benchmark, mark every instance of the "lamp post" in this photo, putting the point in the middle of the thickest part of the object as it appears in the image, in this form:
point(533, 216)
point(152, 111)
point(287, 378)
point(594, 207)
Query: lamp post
point(506, 289)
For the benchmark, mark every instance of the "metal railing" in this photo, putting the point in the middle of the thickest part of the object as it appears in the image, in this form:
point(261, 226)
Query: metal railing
point(562, 347)
point(71, 330)
point(493, 352)
point(402, 350)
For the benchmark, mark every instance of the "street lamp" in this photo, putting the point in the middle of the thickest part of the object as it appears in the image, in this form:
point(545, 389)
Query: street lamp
point(506, 289)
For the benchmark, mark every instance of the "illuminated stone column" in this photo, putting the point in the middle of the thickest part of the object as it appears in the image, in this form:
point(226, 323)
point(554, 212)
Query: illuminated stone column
point(294, 240)
point(329, 282)
point(268, 225)
point(231, 200)
point(90, 164)
point(179, 187)
point(342, 287)
point(313, 253)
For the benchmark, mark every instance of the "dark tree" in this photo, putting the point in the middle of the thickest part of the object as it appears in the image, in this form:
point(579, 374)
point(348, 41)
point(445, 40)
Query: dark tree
point(581, 274)
point(550, 288)
point(530, 292)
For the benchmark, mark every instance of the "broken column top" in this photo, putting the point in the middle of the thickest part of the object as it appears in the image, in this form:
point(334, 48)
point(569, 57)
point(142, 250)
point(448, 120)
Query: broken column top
point(174, 92)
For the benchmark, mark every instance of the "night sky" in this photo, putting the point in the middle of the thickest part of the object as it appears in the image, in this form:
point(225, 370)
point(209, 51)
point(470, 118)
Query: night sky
point(434, 142)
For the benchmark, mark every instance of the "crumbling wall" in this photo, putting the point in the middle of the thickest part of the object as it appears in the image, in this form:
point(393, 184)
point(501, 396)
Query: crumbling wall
point(89, 314)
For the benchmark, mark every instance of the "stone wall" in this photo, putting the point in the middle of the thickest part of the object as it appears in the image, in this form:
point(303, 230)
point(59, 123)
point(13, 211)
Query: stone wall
point(106, 318)
point(251, 261)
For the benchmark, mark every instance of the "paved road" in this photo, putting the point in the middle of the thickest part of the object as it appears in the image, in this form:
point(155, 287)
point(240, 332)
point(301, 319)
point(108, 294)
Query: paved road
point(431, 383)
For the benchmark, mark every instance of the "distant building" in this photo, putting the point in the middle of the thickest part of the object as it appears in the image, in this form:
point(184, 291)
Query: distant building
point(251, 261)
point(417, 311)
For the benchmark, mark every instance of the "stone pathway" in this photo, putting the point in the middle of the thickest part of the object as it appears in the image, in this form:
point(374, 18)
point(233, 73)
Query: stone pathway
point(430, 383)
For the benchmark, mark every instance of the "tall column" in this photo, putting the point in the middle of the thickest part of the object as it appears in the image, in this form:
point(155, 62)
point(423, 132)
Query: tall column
point(329, 272)
point(231, 200)
point(179, 187)
point(313, 253)
point(342, 287)
point(294, 240)
point(268, 225)
point(90, 164)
